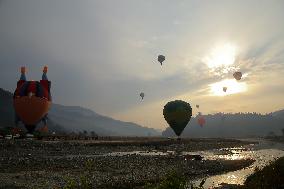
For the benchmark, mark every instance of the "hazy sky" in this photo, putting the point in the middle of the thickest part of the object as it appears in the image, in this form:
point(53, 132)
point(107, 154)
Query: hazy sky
point(102, 53)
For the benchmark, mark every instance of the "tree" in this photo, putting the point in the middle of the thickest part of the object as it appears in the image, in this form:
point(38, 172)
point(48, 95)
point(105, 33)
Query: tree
point(271, 134)
point(85, 132)
point(94, 135)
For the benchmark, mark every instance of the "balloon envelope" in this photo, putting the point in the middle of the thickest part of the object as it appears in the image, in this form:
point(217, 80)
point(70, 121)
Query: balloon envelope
point(31, 102)
point(31, 109)
point(201, 121)
point(161, 59)
point(177, 114)
point(238, 75)
point(142, 95)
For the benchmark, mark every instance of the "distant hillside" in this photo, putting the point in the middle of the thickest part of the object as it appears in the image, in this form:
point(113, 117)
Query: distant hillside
point(6, 109)
point(75, 118)
point(279, 114)
point(233, 125)
point(7, 113)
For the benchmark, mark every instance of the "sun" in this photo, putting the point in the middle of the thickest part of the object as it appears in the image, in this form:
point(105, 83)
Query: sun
point(233, 87)
point(221, 56)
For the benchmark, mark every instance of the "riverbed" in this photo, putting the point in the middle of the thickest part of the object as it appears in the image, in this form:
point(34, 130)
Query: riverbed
point(116, 164)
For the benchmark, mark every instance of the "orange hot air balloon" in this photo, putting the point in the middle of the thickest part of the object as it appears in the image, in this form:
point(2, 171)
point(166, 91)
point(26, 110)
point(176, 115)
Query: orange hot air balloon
point(201, 121)
point(32, 100)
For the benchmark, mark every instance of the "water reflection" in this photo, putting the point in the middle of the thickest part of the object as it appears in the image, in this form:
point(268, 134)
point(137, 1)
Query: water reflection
point(260, 153)
point(224, 153)
point(142, 153)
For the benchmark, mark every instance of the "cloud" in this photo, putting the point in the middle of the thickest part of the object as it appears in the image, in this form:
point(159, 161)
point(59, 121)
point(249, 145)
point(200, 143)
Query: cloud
point(102, 54)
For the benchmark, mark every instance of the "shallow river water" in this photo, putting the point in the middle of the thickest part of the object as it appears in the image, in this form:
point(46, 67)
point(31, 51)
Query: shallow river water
point(262, 153)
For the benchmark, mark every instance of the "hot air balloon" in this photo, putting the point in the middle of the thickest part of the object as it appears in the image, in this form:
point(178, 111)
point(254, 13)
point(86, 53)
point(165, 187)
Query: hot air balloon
point(238, 75)
point(177, 114)
point(197, 106)
point(201, 121)
point(223, 117)
point(161, 59)
point(142, 95)
point(32, 100)
point(44, 129)
point(224, 89)
point(16, 130)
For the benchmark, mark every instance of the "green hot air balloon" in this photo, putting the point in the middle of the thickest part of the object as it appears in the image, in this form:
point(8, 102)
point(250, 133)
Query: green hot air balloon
point(177, 113)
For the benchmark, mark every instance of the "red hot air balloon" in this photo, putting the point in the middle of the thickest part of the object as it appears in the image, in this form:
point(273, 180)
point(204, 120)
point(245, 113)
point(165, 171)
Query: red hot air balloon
point(201, 121)
point(32, 100)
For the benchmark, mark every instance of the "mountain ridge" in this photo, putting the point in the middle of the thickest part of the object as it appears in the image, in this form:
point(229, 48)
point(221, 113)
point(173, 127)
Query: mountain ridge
point(76, 118)
point(233, 125)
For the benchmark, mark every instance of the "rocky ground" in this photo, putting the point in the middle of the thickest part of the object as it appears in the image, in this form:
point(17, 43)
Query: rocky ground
point(55, 164)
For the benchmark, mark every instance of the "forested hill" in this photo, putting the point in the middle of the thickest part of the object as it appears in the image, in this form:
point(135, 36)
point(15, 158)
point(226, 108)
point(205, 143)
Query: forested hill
point(234, 125)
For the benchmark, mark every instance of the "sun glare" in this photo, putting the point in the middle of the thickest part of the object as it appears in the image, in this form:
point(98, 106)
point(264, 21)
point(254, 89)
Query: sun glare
point(221, 56)
point(233, 87)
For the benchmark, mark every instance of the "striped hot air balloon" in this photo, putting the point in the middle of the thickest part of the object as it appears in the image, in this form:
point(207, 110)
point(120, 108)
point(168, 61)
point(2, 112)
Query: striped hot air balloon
point(238, 75)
